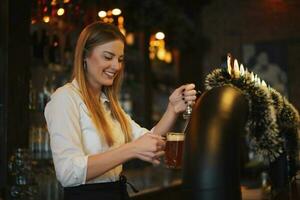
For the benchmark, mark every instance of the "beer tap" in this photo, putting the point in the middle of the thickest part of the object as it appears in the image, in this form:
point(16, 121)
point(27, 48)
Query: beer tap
point(211, 150)
point(188, 113)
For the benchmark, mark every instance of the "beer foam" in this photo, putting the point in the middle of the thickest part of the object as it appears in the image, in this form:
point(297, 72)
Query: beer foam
point(175, 137)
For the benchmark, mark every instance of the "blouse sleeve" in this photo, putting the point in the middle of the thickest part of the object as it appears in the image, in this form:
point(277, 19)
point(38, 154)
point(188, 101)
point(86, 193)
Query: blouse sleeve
point(137, 130)
point(62, 116)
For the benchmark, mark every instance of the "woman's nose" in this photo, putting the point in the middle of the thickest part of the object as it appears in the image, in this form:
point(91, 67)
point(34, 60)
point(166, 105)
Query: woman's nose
point(116, 64)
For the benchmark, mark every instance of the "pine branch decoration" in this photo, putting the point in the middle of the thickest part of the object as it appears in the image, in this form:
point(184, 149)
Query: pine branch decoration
point(269, 113)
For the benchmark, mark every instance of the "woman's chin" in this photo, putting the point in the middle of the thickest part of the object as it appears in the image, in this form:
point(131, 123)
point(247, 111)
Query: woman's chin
point(108, 83)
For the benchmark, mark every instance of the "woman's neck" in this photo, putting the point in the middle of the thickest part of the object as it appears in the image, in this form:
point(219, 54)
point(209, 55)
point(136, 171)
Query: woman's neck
point(95, 90)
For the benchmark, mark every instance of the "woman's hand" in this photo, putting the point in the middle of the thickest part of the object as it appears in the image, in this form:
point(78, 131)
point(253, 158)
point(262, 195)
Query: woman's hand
point(181, 97)
point(149, 147)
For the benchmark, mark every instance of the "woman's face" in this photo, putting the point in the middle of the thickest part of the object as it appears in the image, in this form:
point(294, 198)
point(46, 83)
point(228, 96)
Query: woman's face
point(104, 63)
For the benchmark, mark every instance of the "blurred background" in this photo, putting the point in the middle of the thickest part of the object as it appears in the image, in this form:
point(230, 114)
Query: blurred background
point(169, 43)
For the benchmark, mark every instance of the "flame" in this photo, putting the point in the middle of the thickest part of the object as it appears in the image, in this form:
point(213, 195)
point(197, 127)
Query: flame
point(229, 68)
point(263, 83)
point(242, 71)
point(258, 81)
point(236, 70)
point(247, 73)
point(252, 77)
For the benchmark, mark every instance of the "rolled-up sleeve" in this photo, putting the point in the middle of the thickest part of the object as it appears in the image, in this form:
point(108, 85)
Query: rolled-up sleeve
point(63, 121)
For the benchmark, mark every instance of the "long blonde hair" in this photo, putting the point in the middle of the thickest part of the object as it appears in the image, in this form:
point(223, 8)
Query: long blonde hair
point(95, 34)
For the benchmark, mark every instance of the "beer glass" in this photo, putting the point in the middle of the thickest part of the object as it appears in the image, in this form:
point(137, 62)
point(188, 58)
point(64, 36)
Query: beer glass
point(174, 150)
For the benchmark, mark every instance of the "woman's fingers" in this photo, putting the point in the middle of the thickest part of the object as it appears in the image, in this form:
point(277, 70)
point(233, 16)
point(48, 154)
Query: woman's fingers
point(189, 98)
point(183, 93)
point(147, 154)
point(160, 142)
point(155, 162)
point(150, 143)
point(145, 158)
point(149, 148)
point(180, 89)
point(178, 93)
point(151, 157)
point(189, 93)
point(159, 154)
point(190, 86)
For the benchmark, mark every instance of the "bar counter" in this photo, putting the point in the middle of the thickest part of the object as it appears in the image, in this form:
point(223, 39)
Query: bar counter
point(161, 183)
point(156, 182)
point(152, 179)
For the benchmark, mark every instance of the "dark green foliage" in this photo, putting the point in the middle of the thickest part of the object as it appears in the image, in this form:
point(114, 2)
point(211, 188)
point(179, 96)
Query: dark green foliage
point(271, 117)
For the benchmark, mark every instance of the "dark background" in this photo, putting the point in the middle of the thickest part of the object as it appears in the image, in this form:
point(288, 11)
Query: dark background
point(203, 32)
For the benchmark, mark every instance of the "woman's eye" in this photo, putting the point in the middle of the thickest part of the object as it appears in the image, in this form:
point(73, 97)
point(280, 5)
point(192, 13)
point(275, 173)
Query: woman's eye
point(121, 60)
point(107, 57)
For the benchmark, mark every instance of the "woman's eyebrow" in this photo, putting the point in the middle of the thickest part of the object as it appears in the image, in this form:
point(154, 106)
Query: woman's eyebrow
point(112, 54)
point(109, 53)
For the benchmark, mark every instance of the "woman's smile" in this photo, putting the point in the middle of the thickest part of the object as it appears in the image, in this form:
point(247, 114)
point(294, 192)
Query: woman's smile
point(104, 63)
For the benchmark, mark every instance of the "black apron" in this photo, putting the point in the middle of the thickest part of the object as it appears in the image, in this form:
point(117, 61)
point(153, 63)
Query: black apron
point(99, 191)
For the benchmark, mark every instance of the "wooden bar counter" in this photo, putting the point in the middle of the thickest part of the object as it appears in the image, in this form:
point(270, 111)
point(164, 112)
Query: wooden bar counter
point(161, 184)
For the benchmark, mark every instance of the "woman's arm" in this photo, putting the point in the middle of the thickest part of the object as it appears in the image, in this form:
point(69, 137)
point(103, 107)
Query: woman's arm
point(178, 101)
point(72, 165)
point(148, 148)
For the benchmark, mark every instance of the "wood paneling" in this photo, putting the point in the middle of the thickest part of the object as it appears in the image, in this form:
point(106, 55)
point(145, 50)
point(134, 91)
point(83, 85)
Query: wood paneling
point(3, 72)
point(14, 76)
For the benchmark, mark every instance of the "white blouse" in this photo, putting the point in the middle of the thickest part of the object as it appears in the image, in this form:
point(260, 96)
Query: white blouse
point(73, 136)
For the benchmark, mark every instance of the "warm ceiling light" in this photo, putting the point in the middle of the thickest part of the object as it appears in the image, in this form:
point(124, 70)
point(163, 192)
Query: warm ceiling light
point(110, 20)
point(168, 57)
point(160, 35)
point(105, 19)
point(130, 39)
point(121, 20)
point(116, 11)
point(102, 14)
point(66, 1)
point(53, 2)
point(33, 21)
point(46, 19)
point(60, 11)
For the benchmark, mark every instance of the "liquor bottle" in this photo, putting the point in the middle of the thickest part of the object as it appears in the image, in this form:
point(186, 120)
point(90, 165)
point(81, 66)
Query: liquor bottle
point(32, 97)
point(47, 90)
point(54, 54)
point(44, 95)
point(68, 60)
point(56, 47)
point(127, 103)
point(39, 41)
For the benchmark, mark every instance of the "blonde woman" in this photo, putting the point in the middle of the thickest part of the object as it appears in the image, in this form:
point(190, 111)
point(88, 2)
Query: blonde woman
point(91, 136)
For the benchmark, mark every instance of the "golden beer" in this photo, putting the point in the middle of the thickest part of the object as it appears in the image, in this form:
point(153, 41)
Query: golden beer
point(174, 150)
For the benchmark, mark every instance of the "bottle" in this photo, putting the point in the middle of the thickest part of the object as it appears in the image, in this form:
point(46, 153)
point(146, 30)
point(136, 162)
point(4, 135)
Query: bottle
point(44, 95)
point(32, 97)
point(127, 104)
point(266, 186)
point(47, 90)
point(54, 54)
point(68, 60)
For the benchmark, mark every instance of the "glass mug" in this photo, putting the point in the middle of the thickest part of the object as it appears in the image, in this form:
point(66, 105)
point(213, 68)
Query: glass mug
point(174, 150)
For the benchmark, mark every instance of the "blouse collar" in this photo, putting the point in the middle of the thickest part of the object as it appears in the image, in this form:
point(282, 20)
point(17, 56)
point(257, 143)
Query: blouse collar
point(103, 97)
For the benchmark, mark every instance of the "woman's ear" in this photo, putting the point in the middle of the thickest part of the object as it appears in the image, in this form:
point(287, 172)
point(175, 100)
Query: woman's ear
point(84, 64)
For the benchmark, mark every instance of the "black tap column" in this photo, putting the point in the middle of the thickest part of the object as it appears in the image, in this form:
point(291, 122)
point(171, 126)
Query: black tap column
point(211, 154)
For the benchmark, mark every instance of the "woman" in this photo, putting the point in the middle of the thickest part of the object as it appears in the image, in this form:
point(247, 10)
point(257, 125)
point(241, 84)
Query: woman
point(90, 134)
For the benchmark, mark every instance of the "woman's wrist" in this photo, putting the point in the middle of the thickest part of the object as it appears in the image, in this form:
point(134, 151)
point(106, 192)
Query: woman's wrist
point(171, 110)
point(129, 151)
